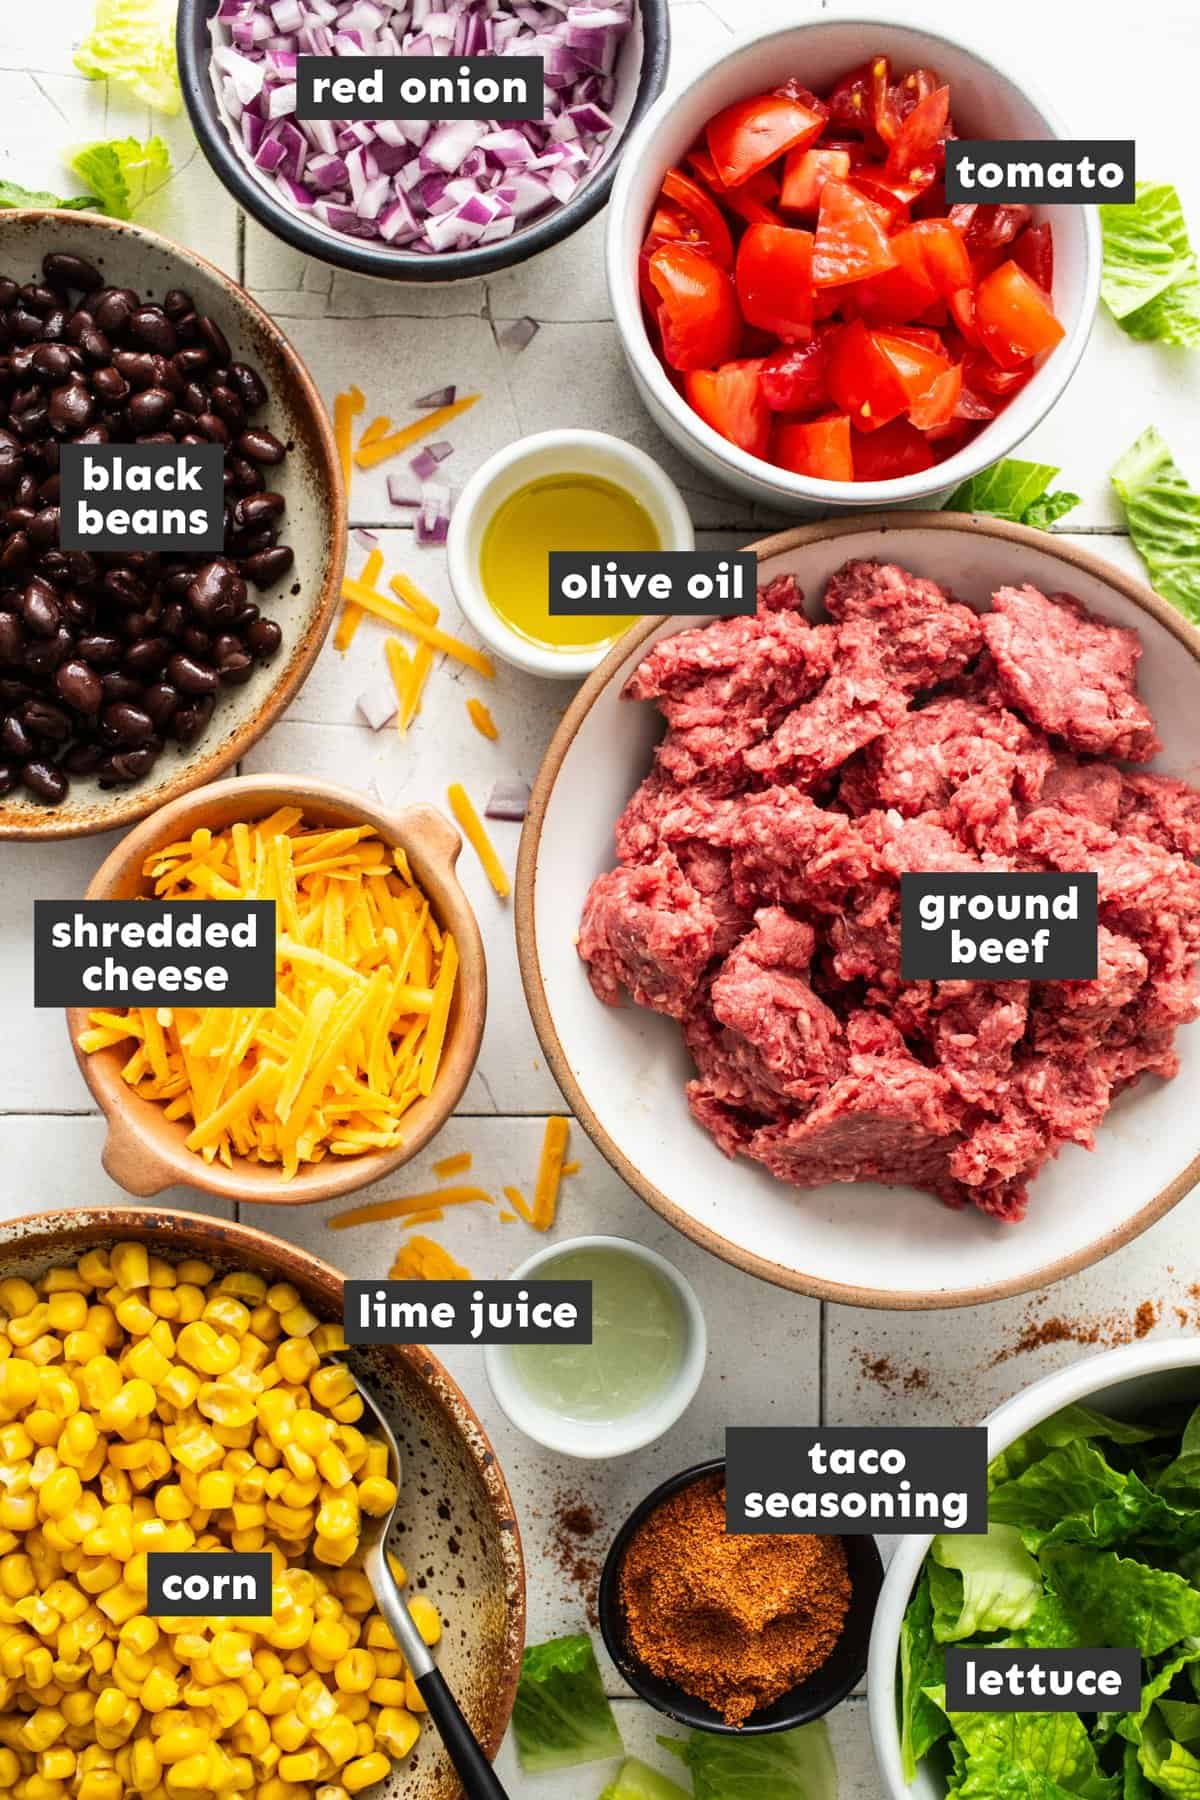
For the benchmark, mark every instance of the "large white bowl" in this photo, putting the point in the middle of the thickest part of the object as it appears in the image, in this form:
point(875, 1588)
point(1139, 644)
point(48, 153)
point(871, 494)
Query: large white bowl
point(623, 1069)
point(987, 103)
point(1126, 1383)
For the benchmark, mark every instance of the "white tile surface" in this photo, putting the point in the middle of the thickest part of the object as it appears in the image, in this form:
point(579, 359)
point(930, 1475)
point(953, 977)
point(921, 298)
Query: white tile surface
point(772, 1355)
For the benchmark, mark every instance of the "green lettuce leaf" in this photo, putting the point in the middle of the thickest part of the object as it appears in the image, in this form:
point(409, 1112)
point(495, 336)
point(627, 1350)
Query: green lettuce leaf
point(1001, 1584)
point(122, 172)
point(787, 1765)
point(636, 1780)
point(1049, 1627)
point(1135, 1787)
point(1014, 490)
point(1182, 1720)
point(1131, 1725)
point(561, 1716)
point(13, 195)
point(1151, 282)
point(1162, 511)
point(133, 42)
point(1066, 1427)
point(1074, 1496)
point(1181, 1477)
point(922, 1665)
point(1171, 1768)
point(1054, 1746)
point(1115, 1600)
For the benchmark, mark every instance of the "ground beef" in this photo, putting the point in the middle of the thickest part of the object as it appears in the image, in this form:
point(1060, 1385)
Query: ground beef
point(805, 769)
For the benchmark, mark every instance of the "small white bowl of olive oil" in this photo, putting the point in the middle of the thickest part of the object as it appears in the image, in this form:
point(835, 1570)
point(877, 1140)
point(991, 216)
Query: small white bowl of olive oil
point(638, 1375)
point(557, 490)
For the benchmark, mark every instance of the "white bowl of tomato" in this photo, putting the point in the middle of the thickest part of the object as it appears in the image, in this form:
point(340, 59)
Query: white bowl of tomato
point(804, 314)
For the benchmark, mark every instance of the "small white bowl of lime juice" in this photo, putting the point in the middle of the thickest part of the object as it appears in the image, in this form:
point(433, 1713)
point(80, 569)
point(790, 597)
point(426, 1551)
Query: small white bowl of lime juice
point(638, 1375)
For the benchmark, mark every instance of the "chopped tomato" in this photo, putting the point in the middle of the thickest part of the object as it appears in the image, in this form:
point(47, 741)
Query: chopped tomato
point(852, 239)
point(774, 280)
point(907, 94)
point(1034, 251)
point(962, 311)
point(752, 133)
point(815, 447)
point(988, 227)
point(918, 364)
point(795, 380)
point(941, 252)
point(731, 401)
point(860, 100)
point(915, 150)
point(702, 218)
point(698, 315)
point(899, 449)
point(1013, 317)
point(894, 197)
point(805, 173)
point(982, 373)
point(938, 405)
point(863, 379)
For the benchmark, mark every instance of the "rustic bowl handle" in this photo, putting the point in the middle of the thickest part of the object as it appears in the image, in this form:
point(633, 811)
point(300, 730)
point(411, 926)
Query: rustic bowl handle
point(132, 1163)
point(435, 834)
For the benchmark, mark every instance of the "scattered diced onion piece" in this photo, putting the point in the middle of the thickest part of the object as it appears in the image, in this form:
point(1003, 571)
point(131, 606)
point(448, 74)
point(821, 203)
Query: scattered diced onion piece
point(473, 829)
point(519, 335)
point(377, 704)
point(439, 397)
point(509, 799)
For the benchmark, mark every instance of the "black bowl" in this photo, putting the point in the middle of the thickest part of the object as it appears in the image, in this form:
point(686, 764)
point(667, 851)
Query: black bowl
point(193, 44)
point(824, 1689)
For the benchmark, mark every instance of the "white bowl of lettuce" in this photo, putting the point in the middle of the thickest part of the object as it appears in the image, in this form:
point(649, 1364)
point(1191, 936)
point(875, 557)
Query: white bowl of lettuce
point(1094, 1539)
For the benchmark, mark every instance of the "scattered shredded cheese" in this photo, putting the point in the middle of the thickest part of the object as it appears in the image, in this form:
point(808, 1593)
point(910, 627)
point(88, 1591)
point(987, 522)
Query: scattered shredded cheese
point(418, 675)
point(516, 1198)
point(400, 669)
point(571, 1168)
point(453, 1165)
point(400, 1208)
point(549, 1175)
point(477, 837)
point(507, 1218)
point(345, 407)
point(414, 599)
point(352, 613)
point(368, 455)
point(364, 985)
point(364, 595)
point(420, 1259)
point(376, 429)
point(482, 719)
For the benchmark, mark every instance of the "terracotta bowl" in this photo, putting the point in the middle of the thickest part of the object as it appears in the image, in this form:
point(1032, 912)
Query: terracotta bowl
point(623, 1069)
point(145, 1152)
point(459, 1534)
point(310, 479)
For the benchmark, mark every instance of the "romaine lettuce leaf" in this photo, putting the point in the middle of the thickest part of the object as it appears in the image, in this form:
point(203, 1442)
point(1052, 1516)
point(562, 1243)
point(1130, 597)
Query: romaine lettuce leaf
point(1182, 1720)
point(1151, 283)
point(133, 42)
point(1016, 490)
point(1171, 1768)
point(561, 1716)
point(636, 1780)
point(922, 1665)
point(13, 195)
point(122, 172)
point(1116, 1600)
point(787, 1765)
point(1131, 1725)
point(1055, 1746)
point(1074, 1496)
point(1162, 511)
point(1001, 1584)
point(1135, 1787)
point(1072, 1423)
point(1181, 1478)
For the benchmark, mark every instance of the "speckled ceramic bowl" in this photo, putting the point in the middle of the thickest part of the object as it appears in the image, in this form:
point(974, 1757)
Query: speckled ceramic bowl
point(459, 1538)
point(314, 524)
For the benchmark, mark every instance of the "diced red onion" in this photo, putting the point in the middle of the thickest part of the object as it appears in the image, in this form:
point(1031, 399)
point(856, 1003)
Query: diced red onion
point(443, 396)
point(422, 186)
point(378, 705)
point(404, 491)
point(509, 799)
point(519, 335)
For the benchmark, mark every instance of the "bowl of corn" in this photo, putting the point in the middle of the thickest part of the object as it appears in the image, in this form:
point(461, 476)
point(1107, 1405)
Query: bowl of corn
point(381, 993)
point(192, 1401)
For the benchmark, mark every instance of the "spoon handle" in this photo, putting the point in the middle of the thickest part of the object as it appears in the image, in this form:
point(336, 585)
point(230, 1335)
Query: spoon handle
point(478, 1778)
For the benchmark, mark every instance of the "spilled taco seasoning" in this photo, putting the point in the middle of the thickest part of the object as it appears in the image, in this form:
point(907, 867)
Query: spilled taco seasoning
point(734, 1620)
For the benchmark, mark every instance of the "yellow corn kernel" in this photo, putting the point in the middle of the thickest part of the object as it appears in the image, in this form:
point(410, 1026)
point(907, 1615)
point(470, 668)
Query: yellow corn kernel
point(413, 1697)
point(19, 1297)
point(386, 1691)
point(134, 1316)
point(19, 1382)
point(42, 1728)
point(56, 1764)
point(425, 1618)
point(179, 1742)
point(214, 1490)
point(145, 1767)
point(377, 1495)
point(304, 1765)
point(146, 1359)
point(364, 1771)
point(328, 1336)
point(396, 1731)
point(289, 1731)
point(205, 1350)
point(180, 1387)
point(338, 1738)
point(66, 1312)
point(18, 1512)
point(354, 1672)
point(17, 1578)
point(59, 1494)
point(280, 1694)
point(120, 1603)
point(295, 1359)
point(98, 1784)
point(130, 1265)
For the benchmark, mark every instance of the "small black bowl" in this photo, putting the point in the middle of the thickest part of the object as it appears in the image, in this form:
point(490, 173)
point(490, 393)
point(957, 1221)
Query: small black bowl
point(193, 45)
point(824, 1689)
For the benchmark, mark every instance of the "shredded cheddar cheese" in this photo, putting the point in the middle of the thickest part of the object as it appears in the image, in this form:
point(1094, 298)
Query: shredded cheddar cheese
point(379, 449)
point(477, 837)
point(414, 599)
point(549, 1175)
point(364, 595)
point(345, 408)
point(400, 1208)
point(453, 1165)
point(482, 719)
point(352, 613)
point(418, 675)
point(516, 1198)
point(420, 1259)
point(376, 429)
point(400, 669)
point(364, 985)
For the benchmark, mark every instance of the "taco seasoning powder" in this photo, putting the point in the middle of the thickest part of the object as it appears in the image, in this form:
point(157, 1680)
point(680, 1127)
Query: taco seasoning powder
point(735, 1621)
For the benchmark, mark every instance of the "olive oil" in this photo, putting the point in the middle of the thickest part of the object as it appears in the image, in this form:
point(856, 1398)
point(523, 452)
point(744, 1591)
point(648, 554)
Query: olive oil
point(557, 512)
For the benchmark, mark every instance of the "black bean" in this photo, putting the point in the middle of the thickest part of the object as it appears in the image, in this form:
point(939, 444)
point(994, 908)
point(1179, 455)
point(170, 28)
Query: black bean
point(149, 409)
point(126, 723)
point(215, 338)
point(79, 685)
point(45, 781)
point(260, 446)
point(70, 408)
point(264, 637)
point(114, 309)
point(43, 655)
point(211, 427)
point(47, 722)
point(43, 527)
point(176, 303)
point(116, 686)
point(160, 701)
point(150, 325)
point(16, 739)
point(190, 676)
point(216, 592)
point(9, 777)
point(249, 385)
point(100, 649)
point(84, 757)
point(51, 363)
point(40, 608)
point(110, 385)
point(11, 638)
point(146, 657)
point(71, 271)
point(265, 567)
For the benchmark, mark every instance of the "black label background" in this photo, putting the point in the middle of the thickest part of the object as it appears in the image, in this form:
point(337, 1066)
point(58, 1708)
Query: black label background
point(1071, 954)
point(1043, 152)
point(58, 974)
point(460, 1294)
point(209, 459)
point(160, 1564)
point(678, 564)
point(940, 1459)
point(1126, 1663)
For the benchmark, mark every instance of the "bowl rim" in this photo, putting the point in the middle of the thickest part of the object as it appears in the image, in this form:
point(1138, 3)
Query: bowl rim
point(137, 803)
point(171, 1163)
point(361, 256)
point(1023, 1410)
point(781, 485)
point(23, 1232)
point(688, 1710)
point(845, 1294)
